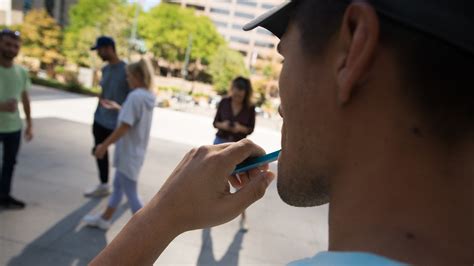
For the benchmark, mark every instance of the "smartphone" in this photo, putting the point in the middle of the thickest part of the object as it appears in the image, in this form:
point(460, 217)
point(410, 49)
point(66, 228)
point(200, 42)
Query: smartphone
point(255, 162)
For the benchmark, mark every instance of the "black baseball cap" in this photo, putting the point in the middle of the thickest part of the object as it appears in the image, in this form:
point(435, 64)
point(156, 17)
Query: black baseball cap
point(10, 33)
point(103, 41)
point(449, 20)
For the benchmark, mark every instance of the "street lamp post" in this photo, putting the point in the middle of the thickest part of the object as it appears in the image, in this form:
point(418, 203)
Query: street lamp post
point(133, 37)
point(184, 71)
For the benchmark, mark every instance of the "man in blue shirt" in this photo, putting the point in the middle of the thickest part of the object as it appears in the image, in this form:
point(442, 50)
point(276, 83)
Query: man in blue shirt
point(377, 101)
point(114, 87)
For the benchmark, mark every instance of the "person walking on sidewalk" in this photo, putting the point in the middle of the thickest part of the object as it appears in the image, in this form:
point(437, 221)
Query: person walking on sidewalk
point(235, 120)
point(131, 138)
point(115, 88)
point(14, 86)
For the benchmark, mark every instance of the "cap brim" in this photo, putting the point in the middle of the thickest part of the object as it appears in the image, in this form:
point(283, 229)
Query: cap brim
point(94, 47)
point(276, 20)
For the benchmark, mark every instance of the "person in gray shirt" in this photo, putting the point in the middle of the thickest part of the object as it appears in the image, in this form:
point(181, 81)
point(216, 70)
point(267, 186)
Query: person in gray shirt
point(115, 88)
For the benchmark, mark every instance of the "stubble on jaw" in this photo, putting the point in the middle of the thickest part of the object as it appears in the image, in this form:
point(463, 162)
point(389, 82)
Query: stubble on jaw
point(303, 189)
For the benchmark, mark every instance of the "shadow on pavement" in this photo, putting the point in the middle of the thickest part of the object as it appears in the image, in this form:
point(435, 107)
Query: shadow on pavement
point(230, 258)
point(65, 243)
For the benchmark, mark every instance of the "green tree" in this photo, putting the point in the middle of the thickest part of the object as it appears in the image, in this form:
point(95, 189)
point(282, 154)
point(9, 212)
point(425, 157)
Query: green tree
point(167, 28)
point(226, 65)
point(89, 19)
point(42, 38)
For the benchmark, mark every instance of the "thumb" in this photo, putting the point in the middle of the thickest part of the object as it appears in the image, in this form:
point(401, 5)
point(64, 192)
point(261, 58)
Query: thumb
point(253, 191)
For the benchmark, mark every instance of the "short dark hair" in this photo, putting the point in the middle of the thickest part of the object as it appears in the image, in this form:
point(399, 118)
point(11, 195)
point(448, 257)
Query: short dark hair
point(10, 33)
point(437, 75)
point(244, 84)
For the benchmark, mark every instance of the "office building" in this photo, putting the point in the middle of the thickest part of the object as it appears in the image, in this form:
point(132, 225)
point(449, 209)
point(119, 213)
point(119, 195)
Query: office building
point(58, 9)
point(229, 16)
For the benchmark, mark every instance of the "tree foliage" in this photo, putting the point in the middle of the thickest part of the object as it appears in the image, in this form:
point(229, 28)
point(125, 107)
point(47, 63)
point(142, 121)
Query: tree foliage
point(89, 19)
point(226, 65)
point(167, 29)
point(42, 37)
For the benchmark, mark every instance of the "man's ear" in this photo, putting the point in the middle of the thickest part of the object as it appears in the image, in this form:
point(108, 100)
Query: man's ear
point(358, 39)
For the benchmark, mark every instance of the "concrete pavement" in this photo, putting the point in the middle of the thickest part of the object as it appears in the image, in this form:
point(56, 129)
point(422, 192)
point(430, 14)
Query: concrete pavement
point(56, 167)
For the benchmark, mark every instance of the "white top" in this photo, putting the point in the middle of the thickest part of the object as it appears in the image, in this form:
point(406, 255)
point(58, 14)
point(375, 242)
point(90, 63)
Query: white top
point(137, 111)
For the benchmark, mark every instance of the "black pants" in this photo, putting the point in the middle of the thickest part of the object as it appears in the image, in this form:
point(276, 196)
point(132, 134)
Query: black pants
point(11, 145)
point(100, 134)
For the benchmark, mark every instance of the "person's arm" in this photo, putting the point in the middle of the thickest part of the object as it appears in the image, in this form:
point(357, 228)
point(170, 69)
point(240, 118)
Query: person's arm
point(225, 125)
point(111, 105)
point(130, 112)
point(219, 122)
point(9, 106)
point(101, 149)
point(239, 128)
point(25, 99)
point(196, 195)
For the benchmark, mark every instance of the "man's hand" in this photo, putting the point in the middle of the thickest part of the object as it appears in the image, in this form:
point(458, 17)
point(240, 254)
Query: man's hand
point(29, 133)
point(197, 194)
point(100, 151)
point(9, 106)
point(109, 104)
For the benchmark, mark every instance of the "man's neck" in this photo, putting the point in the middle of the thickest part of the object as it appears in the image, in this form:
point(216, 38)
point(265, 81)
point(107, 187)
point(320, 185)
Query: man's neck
point(410, 201)
point(5, 62)
point(114, 60)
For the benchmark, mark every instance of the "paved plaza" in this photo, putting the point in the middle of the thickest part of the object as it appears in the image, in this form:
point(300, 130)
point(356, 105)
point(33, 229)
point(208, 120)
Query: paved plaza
point(55, 169)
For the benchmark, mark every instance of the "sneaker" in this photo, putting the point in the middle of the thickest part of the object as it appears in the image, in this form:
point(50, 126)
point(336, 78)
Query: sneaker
point(101, 190)
point(96, 221)
point(243, 225)
point(11, 203)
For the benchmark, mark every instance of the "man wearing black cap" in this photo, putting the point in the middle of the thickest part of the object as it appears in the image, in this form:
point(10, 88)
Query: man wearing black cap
point(114, 87)
point(377, 101)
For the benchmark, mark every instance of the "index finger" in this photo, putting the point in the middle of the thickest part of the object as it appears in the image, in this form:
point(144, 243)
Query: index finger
point(238, 152)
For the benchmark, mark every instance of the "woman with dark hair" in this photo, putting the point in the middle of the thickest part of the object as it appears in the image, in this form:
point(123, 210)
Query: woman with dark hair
point(235, 118)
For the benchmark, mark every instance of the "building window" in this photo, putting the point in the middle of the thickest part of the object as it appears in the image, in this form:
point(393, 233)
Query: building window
point(247, 3)
point(220, 24)
point(244, 15)
point(237, 26)
point(239, 40)
point(196, 7)
point(264, 44)
point(267, 6)
point(49, 5)
point(27, 5)
point(220, 11)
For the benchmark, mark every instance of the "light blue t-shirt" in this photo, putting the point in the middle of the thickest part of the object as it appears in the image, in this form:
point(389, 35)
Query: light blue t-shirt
point(346, 258)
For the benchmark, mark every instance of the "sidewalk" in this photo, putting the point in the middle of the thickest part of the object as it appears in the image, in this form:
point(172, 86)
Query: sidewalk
point(186, 128)
point(54, 170)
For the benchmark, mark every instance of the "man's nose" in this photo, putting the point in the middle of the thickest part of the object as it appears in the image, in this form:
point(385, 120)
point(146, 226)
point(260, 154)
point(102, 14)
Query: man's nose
point(280, 111)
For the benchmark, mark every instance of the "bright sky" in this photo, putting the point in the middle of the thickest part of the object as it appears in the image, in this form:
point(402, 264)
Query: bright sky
point(147, 4)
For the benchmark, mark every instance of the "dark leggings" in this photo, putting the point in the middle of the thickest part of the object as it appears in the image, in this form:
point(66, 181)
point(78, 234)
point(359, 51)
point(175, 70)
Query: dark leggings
point(100, 134)
point(11, 145)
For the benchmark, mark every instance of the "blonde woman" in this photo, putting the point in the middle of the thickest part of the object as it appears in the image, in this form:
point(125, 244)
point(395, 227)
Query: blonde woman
point(131, 140)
